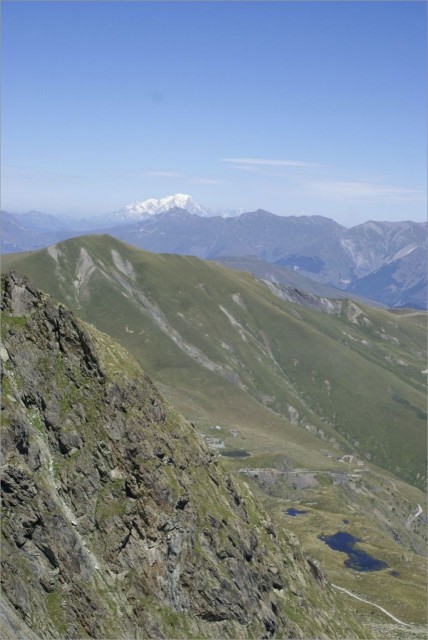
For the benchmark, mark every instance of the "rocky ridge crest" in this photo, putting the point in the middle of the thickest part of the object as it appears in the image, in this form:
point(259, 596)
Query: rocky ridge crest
point(118, 522)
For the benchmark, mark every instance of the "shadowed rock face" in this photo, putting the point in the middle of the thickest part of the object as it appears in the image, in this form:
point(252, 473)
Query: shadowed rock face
point(118, 522)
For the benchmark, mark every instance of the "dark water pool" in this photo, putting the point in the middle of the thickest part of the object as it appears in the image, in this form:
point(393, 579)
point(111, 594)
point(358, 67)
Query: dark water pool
point(394, 573)
point(295, 512)
point(357, 559)
point(236, 453)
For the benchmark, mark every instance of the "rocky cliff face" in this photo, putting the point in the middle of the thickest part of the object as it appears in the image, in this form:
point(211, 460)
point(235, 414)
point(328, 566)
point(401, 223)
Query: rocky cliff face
point(400, 283)
point(117, 521)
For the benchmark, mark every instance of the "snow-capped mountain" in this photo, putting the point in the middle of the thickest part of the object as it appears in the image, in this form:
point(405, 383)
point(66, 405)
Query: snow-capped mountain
point(385, 261)
point(151, 207)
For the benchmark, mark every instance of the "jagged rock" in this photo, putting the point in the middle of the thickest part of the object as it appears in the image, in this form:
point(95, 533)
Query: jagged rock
point(118, 522)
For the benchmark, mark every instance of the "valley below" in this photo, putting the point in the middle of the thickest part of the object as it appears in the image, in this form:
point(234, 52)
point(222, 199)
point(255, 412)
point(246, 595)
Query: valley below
point(330, 495)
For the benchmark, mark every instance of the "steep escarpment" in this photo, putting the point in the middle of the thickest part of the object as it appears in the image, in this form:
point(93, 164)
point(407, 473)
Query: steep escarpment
point(117, 521)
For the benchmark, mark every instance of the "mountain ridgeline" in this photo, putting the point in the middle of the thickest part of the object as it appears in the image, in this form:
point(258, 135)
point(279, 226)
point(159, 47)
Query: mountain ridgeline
point(117, 520)
point(384, 261)
point(314, 246)
point(351, 375)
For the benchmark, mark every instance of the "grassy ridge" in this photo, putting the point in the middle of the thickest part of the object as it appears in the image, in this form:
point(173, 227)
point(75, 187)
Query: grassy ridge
point(356, 375)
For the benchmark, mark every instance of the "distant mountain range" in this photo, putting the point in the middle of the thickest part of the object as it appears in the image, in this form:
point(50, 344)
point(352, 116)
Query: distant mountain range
point(312, 246)
point(32, 230)
point(402, 281)
point(145, 209)
point(382, 261)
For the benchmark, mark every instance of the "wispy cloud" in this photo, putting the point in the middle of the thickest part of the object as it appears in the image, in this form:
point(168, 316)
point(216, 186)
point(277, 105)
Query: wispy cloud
point(166, 174)
point(347, 190)
point(267, 162)
point(184, 176)
point(325, 182)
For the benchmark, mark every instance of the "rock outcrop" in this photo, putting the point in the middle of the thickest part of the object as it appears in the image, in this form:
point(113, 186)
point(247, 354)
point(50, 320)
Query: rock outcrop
point(117, 520)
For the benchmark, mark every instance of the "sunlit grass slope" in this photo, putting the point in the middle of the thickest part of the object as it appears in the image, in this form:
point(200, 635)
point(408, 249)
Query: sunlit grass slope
point(227, 347)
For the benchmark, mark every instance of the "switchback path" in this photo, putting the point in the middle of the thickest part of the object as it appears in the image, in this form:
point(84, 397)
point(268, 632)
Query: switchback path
point(370, 603)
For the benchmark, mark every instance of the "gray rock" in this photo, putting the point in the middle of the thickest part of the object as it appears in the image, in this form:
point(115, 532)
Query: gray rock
point(118, 523)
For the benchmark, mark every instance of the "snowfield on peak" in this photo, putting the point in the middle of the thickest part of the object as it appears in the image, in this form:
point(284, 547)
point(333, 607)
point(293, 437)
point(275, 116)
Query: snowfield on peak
point(153, 206)
point(136, 211)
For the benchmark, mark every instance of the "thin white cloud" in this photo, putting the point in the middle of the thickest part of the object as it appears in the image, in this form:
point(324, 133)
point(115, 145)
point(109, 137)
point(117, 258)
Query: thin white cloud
point(268, 162)
point(166, 174)
point(250, 168)
point(184, 176)
point(346, 190)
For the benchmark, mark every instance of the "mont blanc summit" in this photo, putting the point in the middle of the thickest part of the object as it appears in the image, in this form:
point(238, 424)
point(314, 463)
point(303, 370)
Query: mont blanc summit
point(153, 206)
point(142, 210)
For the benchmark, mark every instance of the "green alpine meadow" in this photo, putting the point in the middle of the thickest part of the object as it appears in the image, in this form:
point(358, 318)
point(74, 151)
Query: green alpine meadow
point(350, 374)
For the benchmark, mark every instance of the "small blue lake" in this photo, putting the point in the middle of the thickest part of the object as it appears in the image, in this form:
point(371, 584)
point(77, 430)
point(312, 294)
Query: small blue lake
point(295, 512)
point(357, 559)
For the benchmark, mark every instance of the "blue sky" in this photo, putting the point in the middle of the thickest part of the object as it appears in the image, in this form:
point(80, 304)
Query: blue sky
point(294, 107)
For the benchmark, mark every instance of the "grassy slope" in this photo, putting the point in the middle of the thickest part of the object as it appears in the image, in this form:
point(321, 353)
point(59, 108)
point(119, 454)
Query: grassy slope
point(360, 379)
point(374, 393)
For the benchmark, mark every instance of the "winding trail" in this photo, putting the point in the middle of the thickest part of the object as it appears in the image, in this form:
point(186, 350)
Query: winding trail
point(370, 603)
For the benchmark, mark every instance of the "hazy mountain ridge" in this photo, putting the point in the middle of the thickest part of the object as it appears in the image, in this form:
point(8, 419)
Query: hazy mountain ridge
point(25, 232)
point(373, 244)
point(399, 283)
point(296, 285)
point(117, 521)
point(313, 246)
